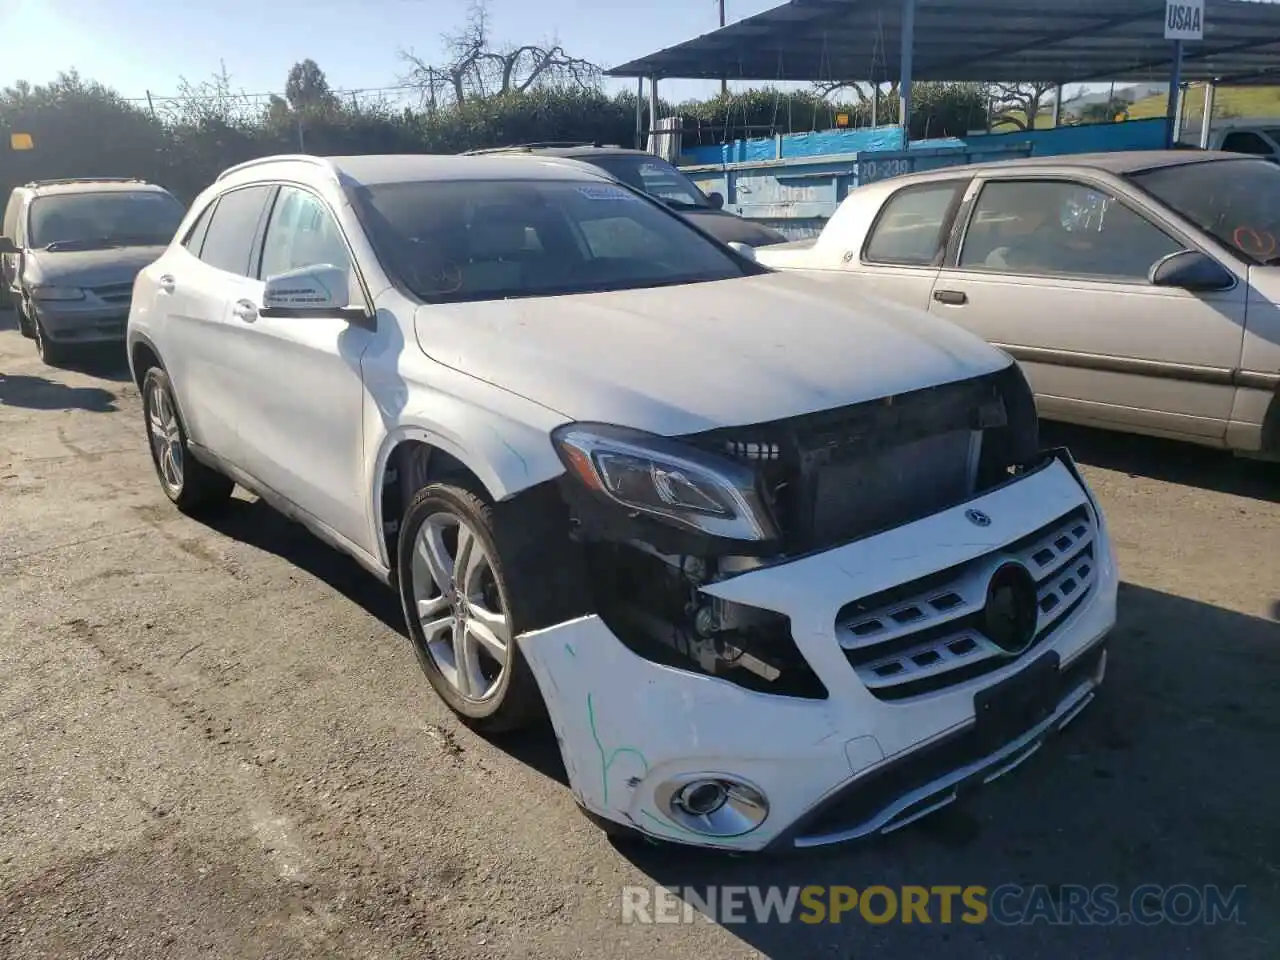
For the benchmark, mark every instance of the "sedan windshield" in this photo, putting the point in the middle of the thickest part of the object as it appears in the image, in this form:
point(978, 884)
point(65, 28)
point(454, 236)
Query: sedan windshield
point(1237, 202)
point(653, 176)
point(493, 239)
point(116, 218)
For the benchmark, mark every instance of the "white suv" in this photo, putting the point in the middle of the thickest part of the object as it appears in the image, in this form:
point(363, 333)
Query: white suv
point(784, 568)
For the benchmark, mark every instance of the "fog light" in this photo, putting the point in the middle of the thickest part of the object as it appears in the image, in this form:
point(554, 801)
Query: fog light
point(714, 805)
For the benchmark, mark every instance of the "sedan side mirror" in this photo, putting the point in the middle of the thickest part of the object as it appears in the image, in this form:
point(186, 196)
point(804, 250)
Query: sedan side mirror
point(743, 250)
point(716, 199)
point(1191, 270)
point(7, 246)
point(316, 291)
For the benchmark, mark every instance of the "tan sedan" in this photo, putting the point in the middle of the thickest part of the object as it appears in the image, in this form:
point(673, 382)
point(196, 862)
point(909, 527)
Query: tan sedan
point(1139, 291)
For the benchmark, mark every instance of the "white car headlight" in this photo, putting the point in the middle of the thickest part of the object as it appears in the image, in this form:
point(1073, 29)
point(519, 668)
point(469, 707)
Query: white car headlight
point(666, 479)
point(57, 293)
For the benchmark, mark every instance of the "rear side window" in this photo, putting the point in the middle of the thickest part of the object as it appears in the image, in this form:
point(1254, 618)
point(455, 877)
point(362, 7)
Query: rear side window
point(228, 243)
point(194, 241)
point(910, 227)
point(1245, 141)
point(10, 228)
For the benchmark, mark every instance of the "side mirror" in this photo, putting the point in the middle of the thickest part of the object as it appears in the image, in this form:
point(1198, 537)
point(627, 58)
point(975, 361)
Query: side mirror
point(717, 199)
point(1191, 270)
point(7, 245)
point(321, 290)
point(743, 249)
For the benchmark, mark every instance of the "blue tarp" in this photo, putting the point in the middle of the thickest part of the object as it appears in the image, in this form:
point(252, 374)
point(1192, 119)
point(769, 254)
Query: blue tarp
point(1089, 138)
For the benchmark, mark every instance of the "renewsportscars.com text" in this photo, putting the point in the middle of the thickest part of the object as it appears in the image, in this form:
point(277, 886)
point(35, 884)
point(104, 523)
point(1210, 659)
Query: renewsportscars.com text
point(1007, 905)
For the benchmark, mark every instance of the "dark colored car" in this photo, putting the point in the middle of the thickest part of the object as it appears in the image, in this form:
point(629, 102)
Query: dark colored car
point(660, 180)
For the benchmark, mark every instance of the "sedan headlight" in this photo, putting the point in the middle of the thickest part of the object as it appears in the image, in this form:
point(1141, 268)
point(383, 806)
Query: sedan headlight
point(57, 293)
point(667, 480)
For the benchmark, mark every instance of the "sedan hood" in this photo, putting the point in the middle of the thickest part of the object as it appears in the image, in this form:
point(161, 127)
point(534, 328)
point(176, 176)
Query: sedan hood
point(682, 359)
point(728, 228)
point(87, 268)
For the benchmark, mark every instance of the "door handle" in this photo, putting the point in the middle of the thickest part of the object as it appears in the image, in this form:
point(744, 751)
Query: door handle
point(953, 297)
point(245, 310)
point(167, 283)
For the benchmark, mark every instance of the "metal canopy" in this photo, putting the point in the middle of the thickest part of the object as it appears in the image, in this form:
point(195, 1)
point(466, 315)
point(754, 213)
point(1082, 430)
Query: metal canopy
point(977, 40)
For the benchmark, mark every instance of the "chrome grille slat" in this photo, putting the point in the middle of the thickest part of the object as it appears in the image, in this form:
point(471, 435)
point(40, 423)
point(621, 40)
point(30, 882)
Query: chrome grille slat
point(1062, 562)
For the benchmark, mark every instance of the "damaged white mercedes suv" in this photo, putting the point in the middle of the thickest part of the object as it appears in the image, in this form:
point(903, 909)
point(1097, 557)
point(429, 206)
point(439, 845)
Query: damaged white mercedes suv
point(784, 569)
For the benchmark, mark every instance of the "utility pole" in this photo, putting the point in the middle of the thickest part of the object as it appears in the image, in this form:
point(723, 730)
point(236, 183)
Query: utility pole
point(724, 81)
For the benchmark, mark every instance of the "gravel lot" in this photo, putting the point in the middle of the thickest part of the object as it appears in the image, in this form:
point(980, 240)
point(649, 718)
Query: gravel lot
point(217, 740)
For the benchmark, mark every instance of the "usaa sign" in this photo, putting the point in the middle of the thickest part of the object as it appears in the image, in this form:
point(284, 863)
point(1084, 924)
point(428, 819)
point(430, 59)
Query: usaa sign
point(1184, 20)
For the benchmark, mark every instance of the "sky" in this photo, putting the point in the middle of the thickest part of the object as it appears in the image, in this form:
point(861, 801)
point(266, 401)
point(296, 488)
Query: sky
point(136, 46)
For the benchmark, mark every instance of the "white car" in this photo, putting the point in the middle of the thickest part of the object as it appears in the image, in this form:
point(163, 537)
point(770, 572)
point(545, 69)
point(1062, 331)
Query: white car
point(776, 585)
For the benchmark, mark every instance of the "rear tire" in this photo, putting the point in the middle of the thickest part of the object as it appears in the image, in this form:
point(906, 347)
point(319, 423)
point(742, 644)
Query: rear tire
point(192, 486)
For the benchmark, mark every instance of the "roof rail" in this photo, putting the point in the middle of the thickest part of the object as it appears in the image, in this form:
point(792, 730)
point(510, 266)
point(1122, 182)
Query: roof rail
point(542, 145)
point(278, 158)
point(50, 183)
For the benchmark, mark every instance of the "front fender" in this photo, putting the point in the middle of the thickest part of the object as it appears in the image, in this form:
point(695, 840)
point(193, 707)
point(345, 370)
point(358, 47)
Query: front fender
point(505, 443)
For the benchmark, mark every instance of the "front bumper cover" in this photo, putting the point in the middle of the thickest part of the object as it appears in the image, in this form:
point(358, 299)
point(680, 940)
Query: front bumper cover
point(837, 769)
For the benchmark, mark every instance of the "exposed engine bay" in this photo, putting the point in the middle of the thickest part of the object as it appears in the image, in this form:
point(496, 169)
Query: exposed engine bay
point(825, 479)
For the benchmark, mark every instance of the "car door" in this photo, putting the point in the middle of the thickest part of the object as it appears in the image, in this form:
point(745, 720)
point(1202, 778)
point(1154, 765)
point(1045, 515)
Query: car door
point(904, 244)
point(194, 285)
point(300, 403)
point(1054, 270)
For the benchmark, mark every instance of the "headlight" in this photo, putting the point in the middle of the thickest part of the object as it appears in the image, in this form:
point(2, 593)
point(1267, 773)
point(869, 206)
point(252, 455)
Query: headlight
point(666, 479)
point(57, 293)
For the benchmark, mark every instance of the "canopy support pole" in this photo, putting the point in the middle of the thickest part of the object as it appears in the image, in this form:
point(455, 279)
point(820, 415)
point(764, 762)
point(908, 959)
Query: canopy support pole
point(653, 115)
point(639, 112)
point(904, 76)
point(1210, 91)
point(1175, 96)
point(1057, 107)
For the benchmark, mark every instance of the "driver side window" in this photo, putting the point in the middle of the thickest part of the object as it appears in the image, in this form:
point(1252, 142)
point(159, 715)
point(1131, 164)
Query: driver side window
point(302, 233)
point(1059, 228)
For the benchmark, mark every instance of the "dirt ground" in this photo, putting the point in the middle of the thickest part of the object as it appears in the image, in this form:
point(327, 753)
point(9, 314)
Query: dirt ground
point(217, 741)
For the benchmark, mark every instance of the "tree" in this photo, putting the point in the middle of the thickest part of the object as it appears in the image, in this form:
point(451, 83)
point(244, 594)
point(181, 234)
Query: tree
point(477, 68)
point(307, 89)
point(1018, 104)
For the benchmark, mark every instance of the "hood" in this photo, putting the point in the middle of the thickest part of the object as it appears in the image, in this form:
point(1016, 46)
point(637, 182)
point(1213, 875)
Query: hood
point(682, 359)
point(87, 268)
point(728, 228)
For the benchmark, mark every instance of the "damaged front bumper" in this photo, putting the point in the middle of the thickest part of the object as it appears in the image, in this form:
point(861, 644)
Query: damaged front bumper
point(900, 734)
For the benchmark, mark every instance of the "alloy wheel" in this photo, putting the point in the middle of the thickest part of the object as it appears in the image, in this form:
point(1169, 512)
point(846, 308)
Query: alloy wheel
point(457, 601)
point(165, 435)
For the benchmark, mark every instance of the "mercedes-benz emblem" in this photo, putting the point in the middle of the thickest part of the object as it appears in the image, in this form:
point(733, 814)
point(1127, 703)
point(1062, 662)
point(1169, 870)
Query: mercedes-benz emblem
point(977, 518)
point(1012, 610)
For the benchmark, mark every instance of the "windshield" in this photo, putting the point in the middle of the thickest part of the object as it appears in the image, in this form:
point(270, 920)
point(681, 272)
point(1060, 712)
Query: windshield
point(115, 218)
point(1237, 202)
point(653, 176)
point(463, 240)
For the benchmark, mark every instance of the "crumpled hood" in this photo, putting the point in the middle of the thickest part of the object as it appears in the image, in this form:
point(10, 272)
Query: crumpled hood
point(681, 359)
point(87, 268)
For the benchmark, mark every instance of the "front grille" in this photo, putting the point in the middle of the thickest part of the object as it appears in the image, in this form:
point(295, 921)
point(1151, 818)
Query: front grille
point(928, 634)
point(115, 292)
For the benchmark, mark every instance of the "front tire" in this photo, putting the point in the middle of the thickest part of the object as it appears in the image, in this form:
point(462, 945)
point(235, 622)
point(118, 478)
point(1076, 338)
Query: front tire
point(25, 326)
point(186, 481)
point(53, 354)
point(472, 578)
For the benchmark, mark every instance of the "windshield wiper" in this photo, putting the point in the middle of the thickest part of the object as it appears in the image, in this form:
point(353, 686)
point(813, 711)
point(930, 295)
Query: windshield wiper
point(685, 205)
point(83, 243)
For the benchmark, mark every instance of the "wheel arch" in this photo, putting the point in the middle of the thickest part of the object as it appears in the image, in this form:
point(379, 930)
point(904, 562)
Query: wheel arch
point(412, 455)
